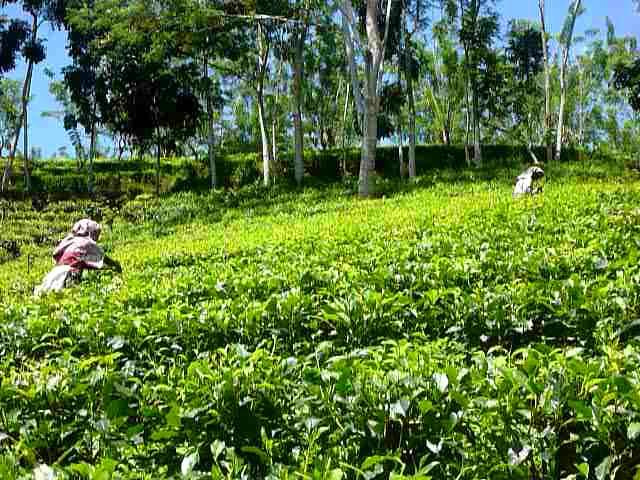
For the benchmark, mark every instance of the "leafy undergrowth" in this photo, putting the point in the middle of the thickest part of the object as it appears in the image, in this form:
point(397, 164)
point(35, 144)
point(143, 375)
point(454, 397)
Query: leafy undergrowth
point(446, 331)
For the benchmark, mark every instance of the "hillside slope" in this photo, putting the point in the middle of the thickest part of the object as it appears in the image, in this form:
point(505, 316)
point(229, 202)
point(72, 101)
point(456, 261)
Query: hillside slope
point(446, 331)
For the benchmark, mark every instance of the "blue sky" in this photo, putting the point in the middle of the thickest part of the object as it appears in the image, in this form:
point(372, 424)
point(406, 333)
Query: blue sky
point(48, 134)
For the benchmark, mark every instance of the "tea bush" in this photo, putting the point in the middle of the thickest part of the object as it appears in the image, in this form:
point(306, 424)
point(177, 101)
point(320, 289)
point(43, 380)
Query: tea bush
point(442, 331)
point(132, 177)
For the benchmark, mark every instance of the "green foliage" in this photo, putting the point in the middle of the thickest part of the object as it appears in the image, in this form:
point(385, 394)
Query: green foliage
point(628, 77)
point(12, 35)
point(444, 332)
point(9, 111)
point(133, 177)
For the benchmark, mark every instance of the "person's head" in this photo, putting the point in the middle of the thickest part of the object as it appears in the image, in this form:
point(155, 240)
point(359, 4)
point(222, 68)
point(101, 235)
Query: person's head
point(536, 173)
point(87, 228)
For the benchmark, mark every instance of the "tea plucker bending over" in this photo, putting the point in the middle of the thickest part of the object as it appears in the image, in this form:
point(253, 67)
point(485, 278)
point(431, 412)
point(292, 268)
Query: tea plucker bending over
point(77, 252)
point(526, 182)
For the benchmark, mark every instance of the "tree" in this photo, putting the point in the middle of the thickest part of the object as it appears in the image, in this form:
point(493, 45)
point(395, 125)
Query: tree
point(299, 34)
point(566, 39)
point(215, 38)
point(9, 112)
point(525, 55)
point(370, 48)
point(326, 83)
point(547, 80)
point(261, 72)
point(170, 52)
point(68, 115)
point(390, 120)
point(271, 17)
point(627, 77)
point(478, 27)
point(127, 78)
point(590, 74)
point(12, 35)
point(410, 67)
point(34, 52)
point(445, 80)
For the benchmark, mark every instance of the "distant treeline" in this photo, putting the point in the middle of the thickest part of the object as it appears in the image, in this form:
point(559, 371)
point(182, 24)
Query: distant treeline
point(137, 176)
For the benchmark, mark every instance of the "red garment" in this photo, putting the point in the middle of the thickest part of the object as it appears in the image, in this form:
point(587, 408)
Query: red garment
point(80, 250)
point(75, 253)
point(79, 253)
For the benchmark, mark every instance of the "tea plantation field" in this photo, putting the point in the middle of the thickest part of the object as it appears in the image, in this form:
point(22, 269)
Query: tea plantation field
point(442, 332)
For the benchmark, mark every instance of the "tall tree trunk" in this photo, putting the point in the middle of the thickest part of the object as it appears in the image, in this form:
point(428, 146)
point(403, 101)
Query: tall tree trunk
point(211, 152)
point(158, 168)
point(467, 95)
point(406, 41)
point(210, 133)
point(581, 106)
point(403, 168)
point(477, 149)
point(374, 58)
point(274, 136)
point(369, 146)
point(467, 155)
point(412, 128)
point(263, 55)
point(344, 130)
point(266, 151)
point(92, 151)
point(560, 131)
point(27, 176)
point(547, 82)
point(298, 72)
point(370, 104)
point(274, 141)
point(473, 110)
point(470, 123)
point(446, 129)
point(563, 73)
point(446, 136)
point(274, 117)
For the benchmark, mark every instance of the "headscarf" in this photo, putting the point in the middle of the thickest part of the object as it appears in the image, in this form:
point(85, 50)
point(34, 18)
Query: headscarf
point(87, 228)
point(80, 246)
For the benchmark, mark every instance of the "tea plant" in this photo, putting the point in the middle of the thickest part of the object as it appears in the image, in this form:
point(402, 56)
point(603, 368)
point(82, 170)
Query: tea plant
point(445, 331)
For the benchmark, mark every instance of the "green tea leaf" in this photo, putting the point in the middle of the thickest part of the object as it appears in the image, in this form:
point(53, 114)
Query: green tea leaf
point(633, 431)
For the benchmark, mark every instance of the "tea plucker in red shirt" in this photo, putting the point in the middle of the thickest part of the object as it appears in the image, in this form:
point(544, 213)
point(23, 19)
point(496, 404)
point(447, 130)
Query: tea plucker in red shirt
point(77, 252)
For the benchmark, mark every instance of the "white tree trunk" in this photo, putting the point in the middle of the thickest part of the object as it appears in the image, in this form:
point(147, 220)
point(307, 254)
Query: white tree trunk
point(547, 82)
point(477, 149)
point(213, 175)
point(211, 152)
point(368, 100)
point(406, 39)
point(266, 152)
point(92, 152)
point(560, 132)
point(298, 72)
point(158, 166)
point(263, 55)
point(566, 49)
point(369, 146)
point(412, 128)
point(403, 168)
point(27, 176)
point(344, 130)
point(274, 141)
